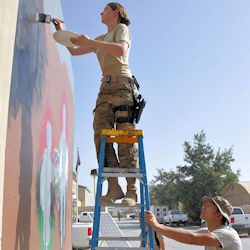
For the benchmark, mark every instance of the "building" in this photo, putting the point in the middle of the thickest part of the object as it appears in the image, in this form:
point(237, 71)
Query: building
point(238, 194)
point(84, 196)
point(36, 129)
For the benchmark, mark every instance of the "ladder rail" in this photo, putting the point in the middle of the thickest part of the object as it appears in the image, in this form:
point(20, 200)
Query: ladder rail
point(96, 225)
point(147, 198)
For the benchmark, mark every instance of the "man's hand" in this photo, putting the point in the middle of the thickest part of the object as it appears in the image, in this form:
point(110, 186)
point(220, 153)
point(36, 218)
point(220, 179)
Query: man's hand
point(57, 23)
point(83, 40)
point(150, 219)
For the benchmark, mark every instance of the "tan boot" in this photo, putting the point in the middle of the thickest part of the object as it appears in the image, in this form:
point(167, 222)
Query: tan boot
point(114, 191)
point(130, 198)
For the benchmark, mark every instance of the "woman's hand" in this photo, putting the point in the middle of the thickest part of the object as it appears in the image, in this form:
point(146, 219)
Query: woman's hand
point(83, 40)
point(57, 23)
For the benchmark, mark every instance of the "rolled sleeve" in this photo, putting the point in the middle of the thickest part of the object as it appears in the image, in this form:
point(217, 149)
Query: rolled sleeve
point(123, 34)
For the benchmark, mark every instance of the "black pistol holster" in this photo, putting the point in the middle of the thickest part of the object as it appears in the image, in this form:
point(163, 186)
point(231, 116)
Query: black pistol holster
point(135, 111)
point(138, 108)
point(139, 102)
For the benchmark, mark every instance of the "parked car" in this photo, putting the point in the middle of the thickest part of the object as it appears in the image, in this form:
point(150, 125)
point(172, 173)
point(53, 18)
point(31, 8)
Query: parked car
point(175, 217)
point(203, 223)
point(240, 221)
point(134, 215)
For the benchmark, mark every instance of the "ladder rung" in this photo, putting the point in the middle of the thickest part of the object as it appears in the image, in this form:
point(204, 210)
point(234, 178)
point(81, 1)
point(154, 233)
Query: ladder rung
point(121, 170)
point(122, 175)
point(138, 205)
point(121, 248)
point(121, 238)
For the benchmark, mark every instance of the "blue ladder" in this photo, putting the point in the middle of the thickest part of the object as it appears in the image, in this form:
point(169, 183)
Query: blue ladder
point(122, 136)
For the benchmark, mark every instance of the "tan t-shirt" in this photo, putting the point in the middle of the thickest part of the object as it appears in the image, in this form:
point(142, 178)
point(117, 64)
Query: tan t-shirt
point(227, 236)
point(111, 64)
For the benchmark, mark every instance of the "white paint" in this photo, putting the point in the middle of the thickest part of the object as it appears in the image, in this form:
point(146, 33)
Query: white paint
point(45, 187)
point(63, 179)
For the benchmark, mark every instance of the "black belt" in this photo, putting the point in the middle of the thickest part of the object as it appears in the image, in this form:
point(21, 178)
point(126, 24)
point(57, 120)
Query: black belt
point(109, 79)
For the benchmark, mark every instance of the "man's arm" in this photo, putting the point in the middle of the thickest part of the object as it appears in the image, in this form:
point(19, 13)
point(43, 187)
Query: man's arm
point(180, 235)
point(184, 236)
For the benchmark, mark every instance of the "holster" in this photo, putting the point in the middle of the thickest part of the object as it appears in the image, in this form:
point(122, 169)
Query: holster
point(135, 111)
point(139, 102)
point(138, 108)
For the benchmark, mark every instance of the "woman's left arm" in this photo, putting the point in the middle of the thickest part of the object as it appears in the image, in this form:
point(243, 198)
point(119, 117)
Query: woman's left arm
point(117, 49)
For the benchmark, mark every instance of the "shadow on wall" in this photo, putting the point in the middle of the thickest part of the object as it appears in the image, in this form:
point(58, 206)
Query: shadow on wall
point(26, 86)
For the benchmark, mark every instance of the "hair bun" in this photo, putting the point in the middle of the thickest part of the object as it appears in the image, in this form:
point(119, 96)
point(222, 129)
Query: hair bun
point(124, 20)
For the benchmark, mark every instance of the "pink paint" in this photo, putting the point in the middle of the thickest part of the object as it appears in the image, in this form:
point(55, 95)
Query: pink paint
point(64, 103)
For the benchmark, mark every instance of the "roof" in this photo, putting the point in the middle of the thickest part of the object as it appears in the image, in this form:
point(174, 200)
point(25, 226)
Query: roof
point(246, 185)
point(84, 187)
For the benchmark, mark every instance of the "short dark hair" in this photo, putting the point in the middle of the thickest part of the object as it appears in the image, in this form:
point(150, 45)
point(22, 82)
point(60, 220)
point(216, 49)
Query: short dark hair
point(224, 220)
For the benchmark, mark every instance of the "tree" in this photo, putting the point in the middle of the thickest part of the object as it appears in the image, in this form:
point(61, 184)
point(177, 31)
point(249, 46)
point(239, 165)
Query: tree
point(163, 189)
point(205, 173)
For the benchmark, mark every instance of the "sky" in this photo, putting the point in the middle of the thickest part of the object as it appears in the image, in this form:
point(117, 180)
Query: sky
point(192, 60)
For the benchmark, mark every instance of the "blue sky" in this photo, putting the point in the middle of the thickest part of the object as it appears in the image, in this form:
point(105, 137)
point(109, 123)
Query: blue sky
point(192, 60)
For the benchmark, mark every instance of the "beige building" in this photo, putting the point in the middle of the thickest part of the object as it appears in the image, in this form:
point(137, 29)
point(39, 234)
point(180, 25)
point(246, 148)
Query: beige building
point(238, 194)
point(83, 196)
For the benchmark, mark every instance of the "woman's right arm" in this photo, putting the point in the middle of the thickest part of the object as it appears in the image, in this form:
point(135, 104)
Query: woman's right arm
point(82, 50)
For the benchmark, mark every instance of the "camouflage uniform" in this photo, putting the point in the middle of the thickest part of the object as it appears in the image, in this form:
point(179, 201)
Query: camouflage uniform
point(113, 94)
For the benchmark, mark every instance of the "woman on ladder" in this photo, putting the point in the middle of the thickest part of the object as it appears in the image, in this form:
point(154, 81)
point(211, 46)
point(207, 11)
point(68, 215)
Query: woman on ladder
point(115, 100)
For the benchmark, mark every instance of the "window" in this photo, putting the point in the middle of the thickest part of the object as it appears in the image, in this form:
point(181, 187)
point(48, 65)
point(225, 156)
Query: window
point(237, 211)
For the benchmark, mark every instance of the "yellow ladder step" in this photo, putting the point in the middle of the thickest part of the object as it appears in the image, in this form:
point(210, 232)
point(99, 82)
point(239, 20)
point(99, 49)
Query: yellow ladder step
point(122, 136)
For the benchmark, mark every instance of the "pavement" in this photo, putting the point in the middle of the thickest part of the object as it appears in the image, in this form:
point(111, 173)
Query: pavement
point(131, 227)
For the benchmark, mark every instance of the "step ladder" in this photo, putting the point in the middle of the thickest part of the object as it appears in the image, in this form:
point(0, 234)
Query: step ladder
point(122, 136)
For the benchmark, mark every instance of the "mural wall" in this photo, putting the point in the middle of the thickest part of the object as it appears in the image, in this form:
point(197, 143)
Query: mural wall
point(39, 149)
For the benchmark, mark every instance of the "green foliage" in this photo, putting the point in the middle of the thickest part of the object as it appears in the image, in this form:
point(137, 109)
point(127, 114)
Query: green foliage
point(205, 173)
point(163, 188)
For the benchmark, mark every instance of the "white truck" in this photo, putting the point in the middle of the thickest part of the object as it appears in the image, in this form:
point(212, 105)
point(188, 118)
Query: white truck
point(175, 217)
point(82, 231)
point(240, 221)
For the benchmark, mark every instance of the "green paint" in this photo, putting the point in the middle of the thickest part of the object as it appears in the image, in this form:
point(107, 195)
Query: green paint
point(41, 227)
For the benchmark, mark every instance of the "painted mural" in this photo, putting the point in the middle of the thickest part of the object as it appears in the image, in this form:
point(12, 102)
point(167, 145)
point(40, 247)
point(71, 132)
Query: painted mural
point(39, 149)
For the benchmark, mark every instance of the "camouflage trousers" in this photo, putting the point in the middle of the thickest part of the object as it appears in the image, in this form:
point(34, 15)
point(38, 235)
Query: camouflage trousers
point(113, 94)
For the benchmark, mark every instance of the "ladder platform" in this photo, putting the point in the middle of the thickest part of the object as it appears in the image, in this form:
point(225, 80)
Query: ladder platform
point(121, 238)
point(113, 132)
point(121, 248)
point(121, 170)
point(122, 136)
point(122, 175)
